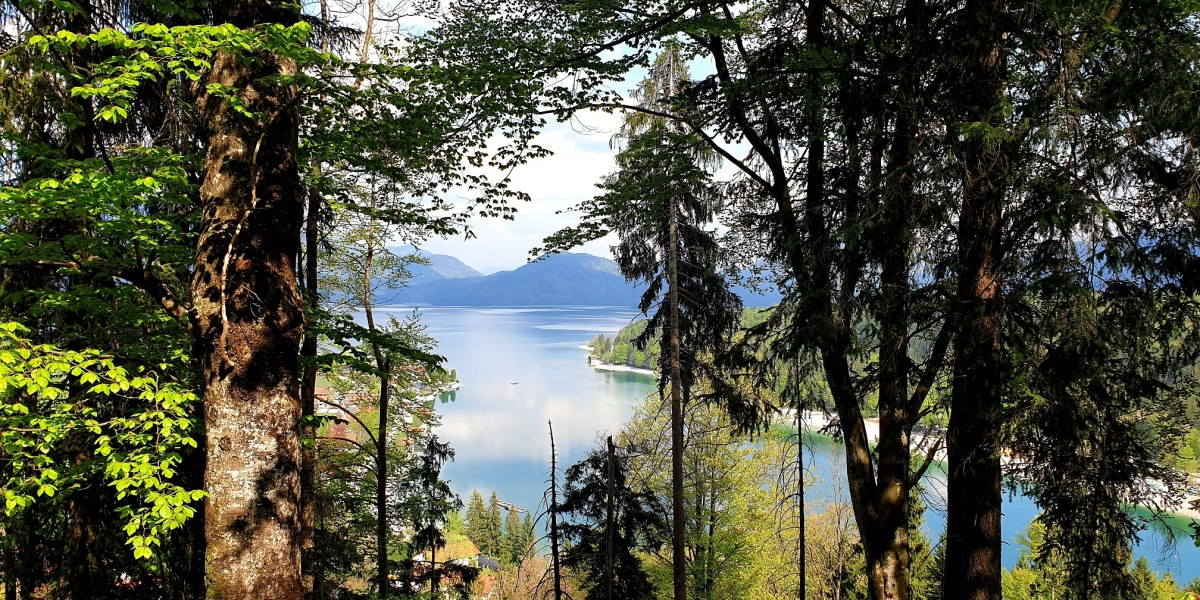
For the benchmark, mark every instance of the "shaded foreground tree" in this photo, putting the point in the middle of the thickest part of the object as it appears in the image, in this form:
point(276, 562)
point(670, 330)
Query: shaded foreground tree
point(1067, 222)
point(248, 315)
point(81, 245)
point(178, 158)
point(973, 503)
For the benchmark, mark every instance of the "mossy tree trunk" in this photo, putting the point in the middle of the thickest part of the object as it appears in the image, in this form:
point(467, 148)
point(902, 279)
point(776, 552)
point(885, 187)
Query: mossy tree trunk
point(249, 320)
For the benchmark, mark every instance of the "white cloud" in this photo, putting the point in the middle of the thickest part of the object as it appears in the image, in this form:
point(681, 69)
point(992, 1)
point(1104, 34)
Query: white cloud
point(581, 158)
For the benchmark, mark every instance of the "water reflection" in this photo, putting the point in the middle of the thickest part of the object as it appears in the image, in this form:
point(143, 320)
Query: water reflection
point(520, 367)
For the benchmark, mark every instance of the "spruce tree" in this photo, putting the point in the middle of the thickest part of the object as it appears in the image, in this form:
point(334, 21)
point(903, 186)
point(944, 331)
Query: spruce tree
point(476, 520)
point(637, 525)
point(513, 538)
point(528, 536)
point(493, 541)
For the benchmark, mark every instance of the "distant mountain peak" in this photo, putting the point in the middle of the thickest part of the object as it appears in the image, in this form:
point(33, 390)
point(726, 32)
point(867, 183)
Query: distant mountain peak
point(563, 279)
point(441, 266)
point(582, 260)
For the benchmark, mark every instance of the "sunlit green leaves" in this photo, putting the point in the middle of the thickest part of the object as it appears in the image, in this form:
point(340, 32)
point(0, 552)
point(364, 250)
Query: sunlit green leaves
point(154, 51)
point(48, 396)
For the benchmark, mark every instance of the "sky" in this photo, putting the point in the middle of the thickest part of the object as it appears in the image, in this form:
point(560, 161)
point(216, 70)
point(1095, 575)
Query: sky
point(581, 157)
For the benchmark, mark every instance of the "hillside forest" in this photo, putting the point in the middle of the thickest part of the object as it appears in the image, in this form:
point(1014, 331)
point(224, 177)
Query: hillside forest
point(980, 218)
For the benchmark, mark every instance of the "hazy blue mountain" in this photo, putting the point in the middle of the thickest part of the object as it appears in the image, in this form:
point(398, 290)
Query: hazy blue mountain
point(560, 279)
point(757, 299)
point(441, 266)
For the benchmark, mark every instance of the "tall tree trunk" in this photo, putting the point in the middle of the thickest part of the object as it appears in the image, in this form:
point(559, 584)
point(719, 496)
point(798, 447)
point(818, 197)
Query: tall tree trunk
point(802, 551)
point(885, 539)
point(879, 504)
point(973, 486)
point(710, 559)
point(678, 519)
point(308, 383)
point(888, 555)
point(381, 496)
point(383, 362)
point(81, 566)
point(9, 576)
point(874, 522)
point(250, 320)
point(433, 568)
point(308, 350)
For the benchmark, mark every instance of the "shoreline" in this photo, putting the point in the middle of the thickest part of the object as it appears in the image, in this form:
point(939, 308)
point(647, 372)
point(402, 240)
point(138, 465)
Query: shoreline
point(816, 422)
point(595, 363)
point(921, 438)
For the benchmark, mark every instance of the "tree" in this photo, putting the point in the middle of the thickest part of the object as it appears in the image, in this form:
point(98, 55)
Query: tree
point(492, 543)
point(139, 452)
point(636, 526)
point(87, 254)
point(973, 504)
point(516, 540)
point(426, 503)
point(528, 535)
point(906, 209)
point(511, 550)
point(242, 258)
point(397, 355)
point(476, 519)
point(841, 236)
point(732, 488)
point(248, 315)
point(1096, 402)
point(343, 533)
point(164, 138)
point(659, 203)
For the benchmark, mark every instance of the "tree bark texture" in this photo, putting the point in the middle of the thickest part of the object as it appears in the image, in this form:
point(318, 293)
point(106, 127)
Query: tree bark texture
point(250, 320)
point(973, 505)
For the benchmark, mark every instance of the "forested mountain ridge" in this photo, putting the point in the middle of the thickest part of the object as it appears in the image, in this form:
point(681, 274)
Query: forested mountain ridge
point(564, 279)
point(441, 266)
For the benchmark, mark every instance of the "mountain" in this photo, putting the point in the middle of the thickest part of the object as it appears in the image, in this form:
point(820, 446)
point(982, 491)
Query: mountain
point(557, 280)
point(441, 266)
point(752, 298)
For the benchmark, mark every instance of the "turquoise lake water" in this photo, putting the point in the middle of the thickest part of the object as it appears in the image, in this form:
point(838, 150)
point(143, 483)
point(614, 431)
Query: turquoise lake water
point(522, 367)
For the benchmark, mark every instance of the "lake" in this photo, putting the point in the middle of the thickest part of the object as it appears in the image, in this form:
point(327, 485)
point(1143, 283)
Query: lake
point(522, 367)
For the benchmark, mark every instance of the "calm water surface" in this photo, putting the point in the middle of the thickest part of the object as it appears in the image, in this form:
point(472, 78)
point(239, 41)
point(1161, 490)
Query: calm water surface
point(522, 367)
